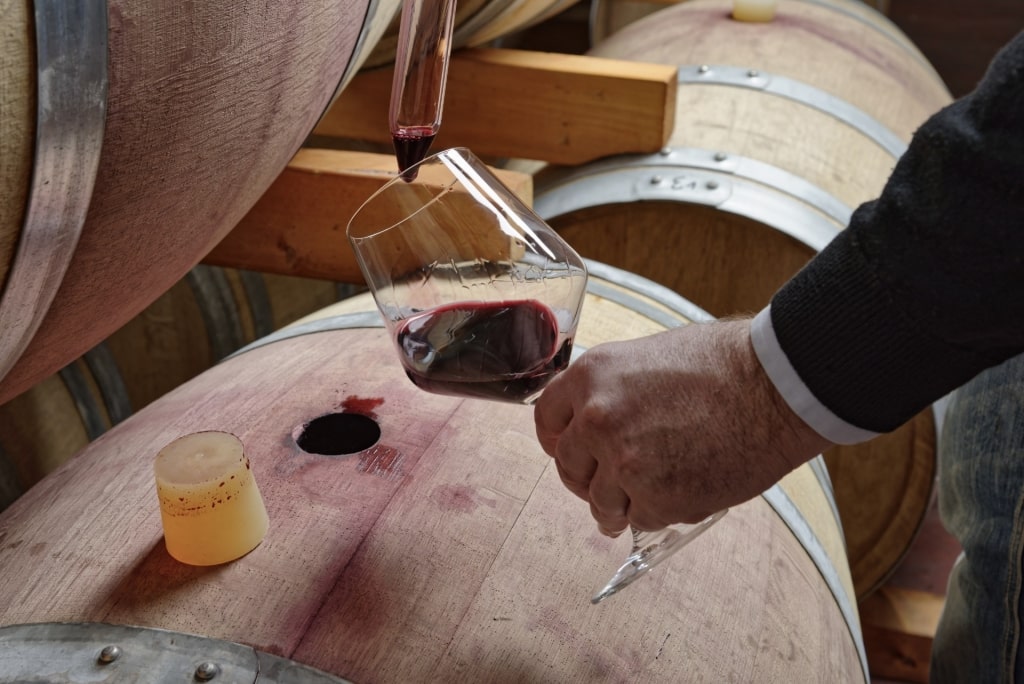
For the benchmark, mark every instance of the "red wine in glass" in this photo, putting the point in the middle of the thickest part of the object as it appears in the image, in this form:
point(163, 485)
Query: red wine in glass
point(411, 147)
point(505, 350)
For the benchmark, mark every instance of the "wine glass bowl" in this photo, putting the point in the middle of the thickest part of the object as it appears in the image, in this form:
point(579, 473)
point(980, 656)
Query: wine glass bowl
point(481, 298)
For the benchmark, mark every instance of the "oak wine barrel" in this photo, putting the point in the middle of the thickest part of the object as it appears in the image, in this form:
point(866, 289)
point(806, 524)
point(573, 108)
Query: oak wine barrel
point(196, 107)
point(416, 537)
point(782, 128)
point(204, 317)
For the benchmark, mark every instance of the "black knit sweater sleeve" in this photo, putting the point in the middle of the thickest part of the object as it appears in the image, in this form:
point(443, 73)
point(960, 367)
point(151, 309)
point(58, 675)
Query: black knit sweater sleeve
point(925, 287)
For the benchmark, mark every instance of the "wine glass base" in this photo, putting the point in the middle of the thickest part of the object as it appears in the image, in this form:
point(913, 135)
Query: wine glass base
point(639, 563)
point(649, 549)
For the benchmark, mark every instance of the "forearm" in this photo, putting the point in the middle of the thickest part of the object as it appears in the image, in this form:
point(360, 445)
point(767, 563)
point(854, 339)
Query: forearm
point(925, 288)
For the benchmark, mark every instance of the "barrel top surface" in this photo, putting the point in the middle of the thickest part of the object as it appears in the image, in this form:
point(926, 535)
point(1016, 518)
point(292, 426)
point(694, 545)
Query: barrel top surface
point(806, 41)
point(448, 549)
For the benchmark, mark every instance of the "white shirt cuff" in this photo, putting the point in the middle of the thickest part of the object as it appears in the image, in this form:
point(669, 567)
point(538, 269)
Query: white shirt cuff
point(793, 390)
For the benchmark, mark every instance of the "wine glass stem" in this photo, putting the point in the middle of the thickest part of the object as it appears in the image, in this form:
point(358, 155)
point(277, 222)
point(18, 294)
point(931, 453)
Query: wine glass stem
point(649, 549)
point(649, 544)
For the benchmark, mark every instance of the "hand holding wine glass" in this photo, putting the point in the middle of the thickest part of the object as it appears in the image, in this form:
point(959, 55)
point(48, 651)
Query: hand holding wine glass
point(670, 428)
point(480, 295)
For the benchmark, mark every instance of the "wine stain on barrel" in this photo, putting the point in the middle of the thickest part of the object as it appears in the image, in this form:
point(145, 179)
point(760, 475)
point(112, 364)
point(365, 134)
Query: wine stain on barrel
point(366, 406)
point(862, 51)
point(459, 498)
point(382, 461)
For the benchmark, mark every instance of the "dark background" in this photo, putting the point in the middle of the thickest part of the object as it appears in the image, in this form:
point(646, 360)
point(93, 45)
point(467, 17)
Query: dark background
point(959, 37)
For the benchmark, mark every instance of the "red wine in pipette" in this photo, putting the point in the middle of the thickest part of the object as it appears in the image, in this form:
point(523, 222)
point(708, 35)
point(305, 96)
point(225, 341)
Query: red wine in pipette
point(411, 147)
point(418, 83)
point(506, 350)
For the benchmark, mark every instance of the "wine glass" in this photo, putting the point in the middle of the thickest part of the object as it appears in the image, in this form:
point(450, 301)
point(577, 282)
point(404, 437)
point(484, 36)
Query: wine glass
point(480, 297)
point(649, 549)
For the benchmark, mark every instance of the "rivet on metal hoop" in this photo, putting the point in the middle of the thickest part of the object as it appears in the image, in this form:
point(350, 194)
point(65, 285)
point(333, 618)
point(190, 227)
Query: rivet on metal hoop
point(753, 73)
point(703, 68)
point(109, 654)
point(711, 185)
point(656, 180)
point(207, 671)
point(665, 151)
point(721, 156)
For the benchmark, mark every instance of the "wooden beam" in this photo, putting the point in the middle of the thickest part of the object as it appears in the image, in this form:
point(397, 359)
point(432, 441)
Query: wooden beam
point(558, 108)
point(298, 226)
point(899, 627)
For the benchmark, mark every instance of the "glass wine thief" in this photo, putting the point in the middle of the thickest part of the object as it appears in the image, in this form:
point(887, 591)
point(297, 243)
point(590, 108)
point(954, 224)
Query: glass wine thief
point(421, 73)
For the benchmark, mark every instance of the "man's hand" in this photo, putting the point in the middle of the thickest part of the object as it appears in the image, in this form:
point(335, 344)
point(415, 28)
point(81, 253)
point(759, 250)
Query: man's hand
point(671, 427)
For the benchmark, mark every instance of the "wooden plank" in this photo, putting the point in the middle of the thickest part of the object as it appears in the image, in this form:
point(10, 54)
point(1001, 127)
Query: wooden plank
point(564, 109)
point(899, 627)
point(298, 226)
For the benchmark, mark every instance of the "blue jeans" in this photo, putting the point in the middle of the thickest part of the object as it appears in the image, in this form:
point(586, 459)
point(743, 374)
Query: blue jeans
point(981, 501)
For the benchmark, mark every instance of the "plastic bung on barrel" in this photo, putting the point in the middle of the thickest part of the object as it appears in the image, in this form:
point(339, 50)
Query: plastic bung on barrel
point(753, 10)
point(211, 508)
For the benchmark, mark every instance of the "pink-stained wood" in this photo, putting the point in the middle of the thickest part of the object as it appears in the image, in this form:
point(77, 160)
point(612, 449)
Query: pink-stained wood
point(448, 551)
point(207, 103)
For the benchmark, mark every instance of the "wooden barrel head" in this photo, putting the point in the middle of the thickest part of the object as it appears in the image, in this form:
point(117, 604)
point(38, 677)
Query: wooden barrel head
point(206, 104)
point(446, 550)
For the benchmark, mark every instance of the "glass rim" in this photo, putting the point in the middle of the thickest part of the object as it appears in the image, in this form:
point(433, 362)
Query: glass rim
point(462, 151)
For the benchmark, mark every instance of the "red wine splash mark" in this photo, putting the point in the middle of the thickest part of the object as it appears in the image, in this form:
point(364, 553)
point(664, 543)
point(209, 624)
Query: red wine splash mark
point(458, 499)
point(382, 461)
point(411, 148)
point(364, 405)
